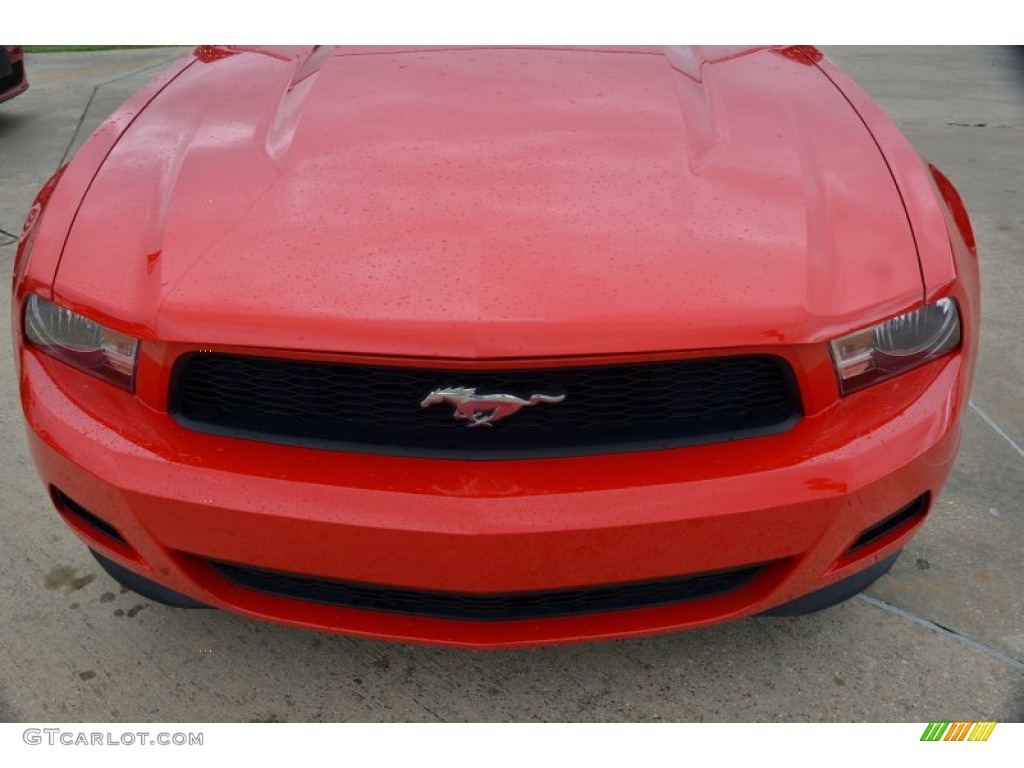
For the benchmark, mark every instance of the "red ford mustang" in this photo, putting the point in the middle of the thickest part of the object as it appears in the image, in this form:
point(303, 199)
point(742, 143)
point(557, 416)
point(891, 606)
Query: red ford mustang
point(497, 346)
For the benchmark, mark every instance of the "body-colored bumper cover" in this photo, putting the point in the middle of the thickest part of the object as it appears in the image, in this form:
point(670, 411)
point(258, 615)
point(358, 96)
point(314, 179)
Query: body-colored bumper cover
point(797, 501)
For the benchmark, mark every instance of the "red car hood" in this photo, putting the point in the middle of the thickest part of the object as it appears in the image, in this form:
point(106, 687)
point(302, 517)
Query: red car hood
point(493, 203)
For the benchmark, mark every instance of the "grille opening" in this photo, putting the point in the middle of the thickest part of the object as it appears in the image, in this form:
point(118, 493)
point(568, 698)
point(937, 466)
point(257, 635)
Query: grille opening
point(73, 509)
point(507, 606)
point(376, 409)
point(903, 517)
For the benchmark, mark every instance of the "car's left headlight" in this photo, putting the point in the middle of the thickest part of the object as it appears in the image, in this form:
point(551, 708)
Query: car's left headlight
point(895, 346)
point(83, 343)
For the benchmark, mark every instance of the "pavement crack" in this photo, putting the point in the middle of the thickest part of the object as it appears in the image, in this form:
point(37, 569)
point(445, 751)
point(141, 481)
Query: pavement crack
point(916, 123)
point(92, 96)
point(6, 238)
point(161, 63)
point(953, 635)
point(999, 430)
point(78, 126)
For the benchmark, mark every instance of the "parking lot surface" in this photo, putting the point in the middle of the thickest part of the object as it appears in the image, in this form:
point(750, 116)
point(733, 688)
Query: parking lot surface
point(940, 638)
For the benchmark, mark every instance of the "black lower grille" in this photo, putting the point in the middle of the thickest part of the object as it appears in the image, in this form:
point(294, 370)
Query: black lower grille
point(377, 409)
point(488, 607)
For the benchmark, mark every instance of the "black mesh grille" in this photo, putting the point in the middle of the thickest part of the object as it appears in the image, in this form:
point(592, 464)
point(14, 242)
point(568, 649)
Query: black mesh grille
point(377, 408)
point(488, 607)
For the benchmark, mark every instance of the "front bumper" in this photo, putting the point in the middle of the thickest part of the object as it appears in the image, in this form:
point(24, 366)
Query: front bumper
point(181, 502)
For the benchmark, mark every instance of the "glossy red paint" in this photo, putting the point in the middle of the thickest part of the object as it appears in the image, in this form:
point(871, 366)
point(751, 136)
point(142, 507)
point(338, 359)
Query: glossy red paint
point(496, 208)
point(13, 78)
point(493, 203)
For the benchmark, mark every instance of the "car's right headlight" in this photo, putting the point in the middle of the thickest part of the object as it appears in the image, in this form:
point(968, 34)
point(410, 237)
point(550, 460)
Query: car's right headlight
point(896, 345)
point(83, 343)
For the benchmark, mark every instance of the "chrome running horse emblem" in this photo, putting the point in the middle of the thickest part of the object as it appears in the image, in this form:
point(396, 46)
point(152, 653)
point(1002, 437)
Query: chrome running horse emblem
point(482, 410)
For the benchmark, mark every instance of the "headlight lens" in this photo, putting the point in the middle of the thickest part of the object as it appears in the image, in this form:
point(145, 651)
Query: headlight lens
point(896, 345)
point(81, 342)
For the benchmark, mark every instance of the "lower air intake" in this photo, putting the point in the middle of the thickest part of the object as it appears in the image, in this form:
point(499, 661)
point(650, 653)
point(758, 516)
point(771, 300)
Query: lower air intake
point(507, 606)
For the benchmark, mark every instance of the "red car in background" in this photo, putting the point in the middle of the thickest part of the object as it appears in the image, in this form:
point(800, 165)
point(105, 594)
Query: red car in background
point(497, 346)
point(12, 72)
